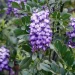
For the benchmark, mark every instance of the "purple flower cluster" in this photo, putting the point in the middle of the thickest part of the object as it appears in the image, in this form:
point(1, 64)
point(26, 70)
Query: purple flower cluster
point(71, 34)
point(14, 10)
point(40, 31)
point(4, 58)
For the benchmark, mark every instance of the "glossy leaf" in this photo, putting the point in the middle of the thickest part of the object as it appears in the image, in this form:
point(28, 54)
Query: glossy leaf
point(25, 63)
point(15, 5)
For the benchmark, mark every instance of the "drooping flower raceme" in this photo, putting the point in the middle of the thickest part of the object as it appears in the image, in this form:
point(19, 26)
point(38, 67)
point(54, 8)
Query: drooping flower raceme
point(71, 34)
point(40, 31)
point(4, 58)
point(14, 10)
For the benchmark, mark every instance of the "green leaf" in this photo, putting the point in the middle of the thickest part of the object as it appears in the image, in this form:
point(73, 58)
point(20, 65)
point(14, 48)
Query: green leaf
point(26, 19)
point(23, 38)
point(26, 48)
point(13, 54)
point(32, 4)
point(24, 72)
point(36, 1)
point(25, 63)
point(63, 52)
point(69, 28)
point(13, 39)
point(42, 2)
point(54, 67)
point(52, 47)
point(62, 71)
point(15, 5)
point(18, 22)
point(11, 64)
point(45, 67)
point(38, 66)
point(66, 54)
point(58, 45)
point(28, 8)
point(23, 6)
point(56, 15)
point(18, 32)
point(69, 58)
point(2, 11)
point(73, 67)
point(65, 16)
point(34, 56)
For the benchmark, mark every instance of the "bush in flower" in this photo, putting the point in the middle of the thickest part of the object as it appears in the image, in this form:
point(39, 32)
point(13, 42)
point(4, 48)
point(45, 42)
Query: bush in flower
point(71, 34)
point(38, 41)
point(4, 58)
point(40, 31)
point(14, 10)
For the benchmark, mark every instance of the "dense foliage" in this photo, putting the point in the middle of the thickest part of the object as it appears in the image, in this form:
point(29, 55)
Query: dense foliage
point(37, 37)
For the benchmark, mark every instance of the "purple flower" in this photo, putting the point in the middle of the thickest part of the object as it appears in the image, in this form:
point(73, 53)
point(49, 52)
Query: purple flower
point(15, 11)
point(71, 34)
point(40, 31)
point(4, 58)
